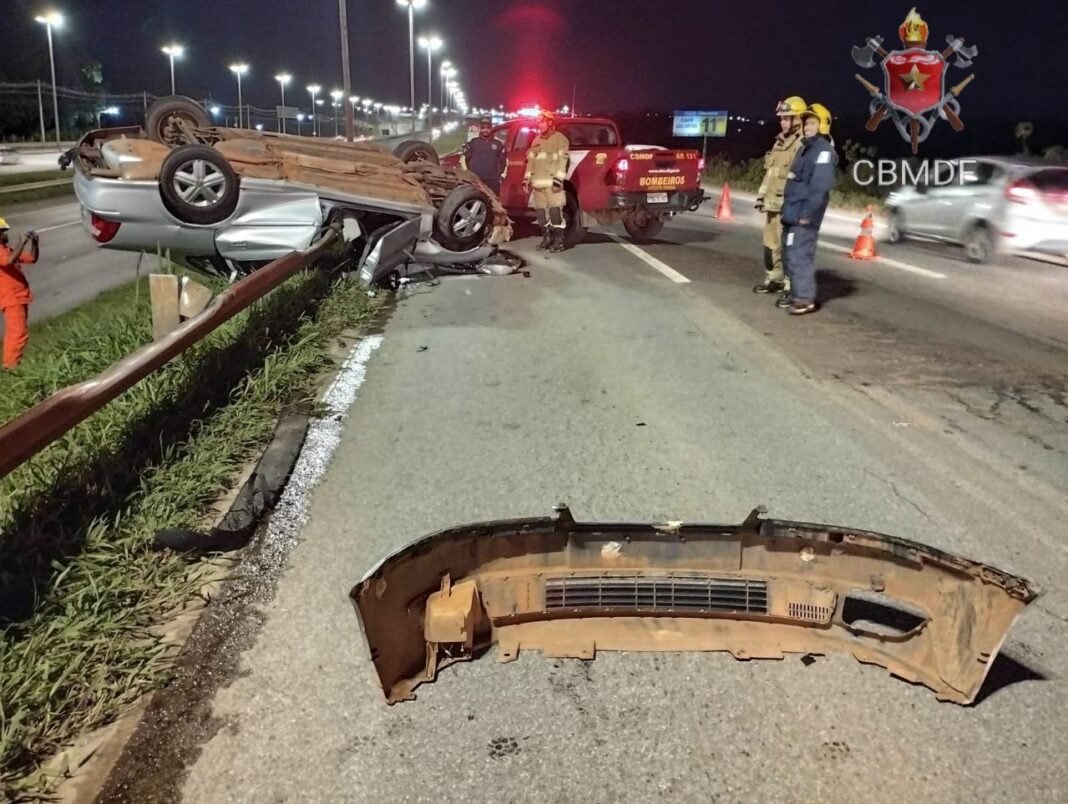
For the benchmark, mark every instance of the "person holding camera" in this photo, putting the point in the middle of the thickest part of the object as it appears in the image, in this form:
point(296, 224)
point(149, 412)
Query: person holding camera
point(15, 295)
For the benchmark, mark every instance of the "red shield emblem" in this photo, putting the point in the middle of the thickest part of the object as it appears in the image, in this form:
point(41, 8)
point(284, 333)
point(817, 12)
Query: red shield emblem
point(915, 80)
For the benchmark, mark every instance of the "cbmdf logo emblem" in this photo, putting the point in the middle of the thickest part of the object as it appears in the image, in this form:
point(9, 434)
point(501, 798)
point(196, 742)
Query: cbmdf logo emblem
point(914, 94)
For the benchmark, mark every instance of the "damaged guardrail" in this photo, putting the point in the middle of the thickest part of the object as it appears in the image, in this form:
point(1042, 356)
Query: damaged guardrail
point(27, 435)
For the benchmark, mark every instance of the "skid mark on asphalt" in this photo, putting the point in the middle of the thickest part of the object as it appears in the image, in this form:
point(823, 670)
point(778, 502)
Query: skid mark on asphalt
point(652, 261)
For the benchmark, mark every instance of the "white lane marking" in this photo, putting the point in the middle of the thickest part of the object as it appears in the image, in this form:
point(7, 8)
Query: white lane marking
point(58, 226)
point(904, 266)
point(651, 261)
point(320, 444)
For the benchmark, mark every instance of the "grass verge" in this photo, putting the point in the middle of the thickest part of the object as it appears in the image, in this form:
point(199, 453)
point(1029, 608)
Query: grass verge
point(81, 587)
point(15, 179)
point(747, 176)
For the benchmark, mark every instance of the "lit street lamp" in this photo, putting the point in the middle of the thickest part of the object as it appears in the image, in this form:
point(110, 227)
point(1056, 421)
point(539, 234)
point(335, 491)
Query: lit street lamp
point(430, 44)
point(53, 19)
point(412, 6)
point(111, 110)
point(239, 70)
point(300, 119)
point(314, 89)
point(173, 52)
point(283, 79)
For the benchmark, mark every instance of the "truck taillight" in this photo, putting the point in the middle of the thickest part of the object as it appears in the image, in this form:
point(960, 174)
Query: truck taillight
point(617, 175)
point(103, 231)
point(1021, 192)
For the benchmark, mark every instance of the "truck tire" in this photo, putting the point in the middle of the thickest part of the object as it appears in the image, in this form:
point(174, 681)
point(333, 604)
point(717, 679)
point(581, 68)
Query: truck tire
point(416, 151)
point(575, 232)
point(164, 116)
point(643, 228)
point(465, 218)
point(198, 185)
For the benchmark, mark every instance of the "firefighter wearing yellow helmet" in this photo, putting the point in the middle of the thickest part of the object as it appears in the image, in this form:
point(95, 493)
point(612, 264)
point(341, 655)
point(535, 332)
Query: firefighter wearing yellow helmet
point(777, 164)
point(546, 172)
point(805, 200)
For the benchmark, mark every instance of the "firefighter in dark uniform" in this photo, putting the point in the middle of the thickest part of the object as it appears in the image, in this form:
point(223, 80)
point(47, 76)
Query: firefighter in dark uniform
point(546, 171)
point(777, 164)
point(484, 156)
point(807, 194)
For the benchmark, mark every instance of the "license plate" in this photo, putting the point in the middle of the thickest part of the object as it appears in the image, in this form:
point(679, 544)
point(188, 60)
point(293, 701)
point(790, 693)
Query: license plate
point(657, 198)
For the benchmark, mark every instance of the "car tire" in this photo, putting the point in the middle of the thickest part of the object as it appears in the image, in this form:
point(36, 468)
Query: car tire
point(644, 229)
point(574, 232)
point(163, 118)
point(198, 185)
point(464, 219)
point(896, 232)
point(416, 151)
point(979, 244)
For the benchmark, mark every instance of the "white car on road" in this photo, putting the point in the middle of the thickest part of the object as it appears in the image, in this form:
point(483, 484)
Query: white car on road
point(999, 204)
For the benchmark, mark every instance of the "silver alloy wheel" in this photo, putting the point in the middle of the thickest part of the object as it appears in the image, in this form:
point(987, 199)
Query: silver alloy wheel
point(470, 218)
point(199, 183)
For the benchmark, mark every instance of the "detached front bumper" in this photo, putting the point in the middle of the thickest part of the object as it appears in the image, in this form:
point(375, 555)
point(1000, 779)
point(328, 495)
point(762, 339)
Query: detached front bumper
point(659, 202)
point(758, 590)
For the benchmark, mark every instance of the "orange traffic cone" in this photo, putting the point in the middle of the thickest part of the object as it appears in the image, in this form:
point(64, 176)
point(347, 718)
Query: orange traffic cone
point(864, 248)
point(724, 210)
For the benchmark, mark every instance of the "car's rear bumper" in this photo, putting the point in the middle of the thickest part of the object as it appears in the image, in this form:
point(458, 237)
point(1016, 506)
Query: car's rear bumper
point(666, 202)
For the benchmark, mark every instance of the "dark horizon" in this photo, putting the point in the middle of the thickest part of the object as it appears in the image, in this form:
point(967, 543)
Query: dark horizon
point(615, 57)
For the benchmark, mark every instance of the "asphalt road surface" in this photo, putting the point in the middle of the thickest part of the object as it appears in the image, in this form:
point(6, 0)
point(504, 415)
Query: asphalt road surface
point(71, 269)
point(927, 399)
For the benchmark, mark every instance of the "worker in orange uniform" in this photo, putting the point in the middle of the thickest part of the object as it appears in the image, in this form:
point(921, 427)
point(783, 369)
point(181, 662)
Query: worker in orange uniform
point(15, 295)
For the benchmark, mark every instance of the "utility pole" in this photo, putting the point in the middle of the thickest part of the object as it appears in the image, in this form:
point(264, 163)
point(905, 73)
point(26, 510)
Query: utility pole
point(40, 109)
point(346, 73)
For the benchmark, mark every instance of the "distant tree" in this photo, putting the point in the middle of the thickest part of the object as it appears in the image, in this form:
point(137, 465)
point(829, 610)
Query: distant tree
point(93, 74)
point(1057, 154)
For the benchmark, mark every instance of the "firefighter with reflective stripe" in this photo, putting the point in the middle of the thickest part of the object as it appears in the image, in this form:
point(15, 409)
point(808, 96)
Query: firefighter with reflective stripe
point(546, 172)
point(808, 192)
point(484, 156)
point(777, 163)
point(15, 295)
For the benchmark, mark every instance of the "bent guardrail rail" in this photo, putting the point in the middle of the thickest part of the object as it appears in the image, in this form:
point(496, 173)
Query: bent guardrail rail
point(25, 436)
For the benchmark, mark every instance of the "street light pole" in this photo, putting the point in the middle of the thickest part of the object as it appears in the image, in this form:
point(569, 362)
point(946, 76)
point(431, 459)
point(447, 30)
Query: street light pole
point(412, 6)
point(337, 95)
point(53, 20)
point(314, 90)
point(346, 76)
point(239, 70)
point(431, 44)
point(283, 79)
point(173, 51)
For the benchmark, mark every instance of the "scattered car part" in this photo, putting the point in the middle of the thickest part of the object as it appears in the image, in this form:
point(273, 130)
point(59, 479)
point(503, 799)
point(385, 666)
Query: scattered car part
point(758, 590)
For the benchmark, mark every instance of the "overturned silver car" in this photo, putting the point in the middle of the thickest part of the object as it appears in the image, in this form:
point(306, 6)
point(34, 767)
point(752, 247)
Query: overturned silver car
point(227, 201)
point(757, 590)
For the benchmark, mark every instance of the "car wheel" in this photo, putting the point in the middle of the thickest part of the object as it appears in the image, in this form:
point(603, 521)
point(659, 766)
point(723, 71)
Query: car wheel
point(464, 219)
point(416, 151)
point(643, 226)
point(575, 232)
point(979, 245)
point(169, 119)
point(895, 232)
point(198, 185)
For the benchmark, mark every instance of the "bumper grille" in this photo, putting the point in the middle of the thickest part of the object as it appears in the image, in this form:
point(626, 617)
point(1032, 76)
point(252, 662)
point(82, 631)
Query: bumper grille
point(671, 593)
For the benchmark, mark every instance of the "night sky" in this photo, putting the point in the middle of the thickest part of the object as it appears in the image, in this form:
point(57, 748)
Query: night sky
point(624, 55)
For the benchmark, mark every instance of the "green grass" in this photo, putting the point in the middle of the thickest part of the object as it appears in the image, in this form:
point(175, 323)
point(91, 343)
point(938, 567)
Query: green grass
point(13, 179)
point(80, 585)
